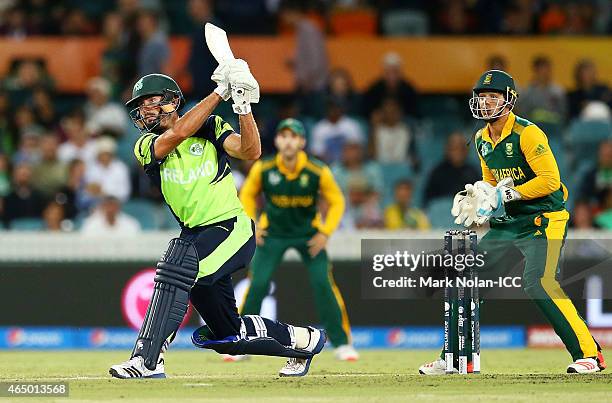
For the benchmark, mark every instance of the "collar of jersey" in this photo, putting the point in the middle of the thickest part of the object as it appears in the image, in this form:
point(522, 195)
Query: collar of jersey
point(302, 158)
point(506, 131)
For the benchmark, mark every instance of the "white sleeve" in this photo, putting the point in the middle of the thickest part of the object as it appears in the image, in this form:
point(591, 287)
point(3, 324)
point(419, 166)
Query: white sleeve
point(123, 185)
point(317, 143)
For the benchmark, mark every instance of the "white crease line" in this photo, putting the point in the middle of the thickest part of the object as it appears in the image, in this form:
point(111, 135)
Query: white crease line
point(245, 377)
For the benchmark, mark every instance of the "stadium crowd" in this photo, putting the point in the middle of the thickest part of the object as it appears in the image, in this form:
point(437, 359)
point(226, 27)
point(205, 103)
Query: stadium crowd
point(20, 18)
point(66, 161)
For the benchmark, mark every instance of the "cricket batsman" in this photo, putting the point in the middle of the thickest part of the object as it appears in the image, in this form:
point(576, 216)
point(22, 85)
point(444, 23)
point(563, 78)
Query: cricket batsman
point(187, 157)
point(521, 177)
point(291, 182)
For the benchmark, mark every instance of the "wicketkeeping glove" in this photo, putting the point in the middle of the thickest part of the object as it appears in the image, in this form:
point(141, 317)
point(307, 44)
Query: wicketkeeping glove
point(464, 207)
point(491, 199)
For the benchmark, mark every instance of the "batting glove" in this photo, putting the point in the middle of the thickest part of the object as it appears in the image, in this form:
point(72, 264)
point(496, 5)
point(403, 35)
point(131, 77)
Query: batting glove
point(244, 87)
point(220, 76)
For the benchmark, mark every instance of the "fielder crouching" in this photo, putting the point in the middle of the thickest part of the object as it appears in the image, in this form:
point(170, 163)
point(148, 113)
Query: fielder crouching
point(520, 175)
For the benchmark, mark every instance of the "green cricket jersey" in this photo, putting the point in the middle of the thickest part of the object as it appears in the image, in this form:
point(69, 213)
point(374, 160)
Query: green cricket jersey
point(522, 153)
point(195, 179)
point(291, 197)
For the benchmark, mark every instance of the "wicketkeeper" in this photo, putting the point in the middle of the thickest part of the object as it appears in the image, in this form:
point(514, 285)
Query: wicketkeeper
point(520, 175)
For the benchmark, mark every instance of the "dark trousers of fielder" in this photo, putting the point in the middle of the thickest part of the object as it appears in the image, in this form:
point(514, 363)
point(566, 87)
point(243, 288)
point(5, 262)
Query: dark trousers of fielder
point(539, 239)
point(328, 300)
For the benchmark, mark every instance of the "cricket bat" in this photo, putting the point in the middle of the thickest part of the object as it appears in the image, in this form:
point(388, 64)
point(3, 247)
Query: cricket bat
point(216, 40)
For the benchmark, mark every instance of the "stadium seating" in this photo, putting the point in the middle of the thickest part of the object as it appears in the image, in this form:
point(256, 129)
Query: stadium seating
point(144, 211)
point(584, 138)
point(438, 213)
point(392, 173)
point(165, 218)
point(27, 224)
point(430, 148)
point(354, 22)
point(404, 23)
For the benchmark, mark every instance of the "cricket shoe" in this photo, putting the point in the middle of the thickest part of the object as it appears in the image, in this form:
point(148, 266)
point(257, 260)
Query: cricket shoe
point(346, 352)
point(583, 366)
point(300, 366)
point(234, 358)
point(437, 367)
point(135, 368)
point(601, 362)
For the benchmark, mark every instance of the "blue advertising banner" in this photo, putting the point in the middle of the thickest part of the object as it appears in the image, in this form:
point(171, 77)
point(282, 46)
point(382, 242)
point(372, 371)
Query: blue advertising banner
point(412, 337)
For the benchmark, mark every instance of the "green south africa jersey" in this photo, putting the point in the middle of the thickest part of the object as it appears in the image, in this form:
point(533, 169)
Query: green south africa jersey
point(195, 179)
point(507, 159)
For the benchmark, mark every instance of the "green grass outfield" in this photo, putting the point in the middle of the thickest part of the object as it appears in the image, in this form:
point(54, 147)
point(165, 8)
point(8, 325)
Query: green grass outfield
point(379, 376)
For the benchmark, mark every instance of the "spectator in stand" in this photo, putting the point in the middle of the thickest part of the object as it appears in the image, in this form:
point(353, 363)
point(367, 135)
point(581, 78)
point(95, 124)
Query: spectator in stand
point(580, 17)
point(201, 61)
point(42, 16)
point(582, 216)
point(117, 67)
point(588, 88)
point(108, 176)
point(552, 19)
point(54, 218)
point(50, 174)
point(5, 181)
point(129, 10)
point(451, 175)
point(596, 182)
point(519, 18)
point(392, 84)
point(497, 62)
point(252, 17)
point(310, 62)
point(25, 122)
point(44, 109)
point(25, 76)
point(79, 145)
point(108, 219)
point(76, 23)
point(23, 201)
point(101, 114)
point(15, 24)
point(401, 214)
point(287, 108)
point(363, 206)
point(391, 139)
point(342, 89)
point(8, 139)
point(603, 220)
point(596, 111)
point(154, 52)
point(455, 19)
point(28, 151)
point(353, 169)
point(330, 134)
point(543, 101)
point(72, 196)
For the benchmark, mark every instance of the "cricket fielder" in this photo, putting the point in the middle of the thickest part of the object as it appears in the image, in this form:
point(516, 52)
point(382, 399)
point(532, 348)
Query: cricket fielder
point(291, 182)
point(520, 175)
point(187, 157)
